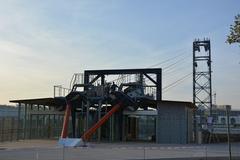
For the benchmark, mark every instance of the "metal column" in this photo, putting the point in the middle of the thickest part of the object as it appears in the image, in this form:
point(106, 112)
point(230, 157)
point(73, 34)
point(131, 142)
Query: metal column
point(37, 125)
point(25, 121)
point(30, 127)
point(102, 79)
point(159, 86)
point(99, 117)
point(87, 116)
point(19, 121)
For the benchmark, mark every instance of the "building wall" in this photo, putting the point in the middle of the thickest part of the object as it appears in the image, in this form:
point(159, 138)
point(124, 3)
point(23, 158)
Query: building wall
point(190, 125)
point(174, 123)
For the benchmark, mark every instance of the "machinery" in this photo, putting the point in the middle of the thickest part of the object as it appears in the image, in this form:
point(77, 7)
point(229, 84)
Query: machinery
point(90, 96)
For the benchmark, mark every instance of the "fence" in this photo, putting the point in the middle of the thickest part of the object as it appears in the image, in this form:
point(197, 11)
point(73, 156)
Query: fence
point(44, 127)
point(8, 128)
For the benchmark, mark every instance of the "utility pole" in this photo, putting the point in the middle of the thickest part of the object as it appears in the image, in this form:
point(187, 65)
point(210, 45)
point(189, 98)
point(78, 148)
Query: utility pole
point(228, 110)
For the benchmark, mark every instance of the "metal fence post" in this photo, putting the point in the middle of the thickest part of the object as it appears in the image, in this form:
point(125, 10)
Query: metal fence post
point(2, 129)
point(19, 121)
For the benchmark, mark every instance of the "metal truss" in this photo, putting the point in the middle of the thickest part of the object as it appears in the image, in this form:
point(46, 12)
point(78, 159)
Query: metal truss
point(202, 78)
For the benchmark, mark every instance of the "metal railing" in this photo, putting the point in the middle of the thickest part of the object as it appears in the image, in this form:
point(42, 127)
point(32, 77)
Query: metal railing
point(59, 91)
point(77, 78)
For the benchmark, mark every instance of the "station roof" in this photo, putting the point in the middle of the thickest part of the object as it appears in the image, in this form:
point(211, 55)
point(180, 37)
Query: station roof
point(154, 103)
point(60, 101)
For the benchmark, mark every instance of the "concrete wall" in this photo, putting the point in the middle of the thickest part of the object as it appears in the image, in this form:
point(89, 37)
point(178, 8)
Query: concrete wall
point(174, 123)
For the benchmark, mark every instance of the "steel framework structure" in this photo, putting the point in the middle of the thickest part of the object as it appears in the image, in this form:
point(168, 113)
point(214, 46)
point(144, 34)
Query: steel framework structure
point(82, 101)
point(202, 78)
point(143, 72)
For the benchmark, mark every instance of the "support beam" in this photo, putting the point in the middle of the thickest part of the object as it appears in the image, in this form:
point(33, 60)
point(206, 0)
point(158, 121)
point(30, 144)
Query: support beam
point(86, 80)
point(112, 127)
point(66, 121)
point(159, 86)
point(99, 117)
point(141, 78)
point(30, 127)
point(73, 113)
point(54, 125)
point(37, 126)
point(19, 121)
point(87, 115)
point(25, 121)
point(158, 129)
point(2, 128)
point(102, 79)
point(87, 135)
point(123, 127)
point(94, 79)
point(150, 78)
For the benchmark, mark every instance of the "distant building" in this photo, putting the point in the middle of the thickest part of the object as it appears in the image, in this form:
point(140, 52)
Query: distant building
point(8, 111)
point(221, 118)
point(214, 128)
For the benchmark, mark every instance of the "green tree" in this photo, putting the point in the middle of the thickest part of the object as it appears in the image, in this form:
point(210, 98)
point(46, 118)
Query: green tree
point(234, 36)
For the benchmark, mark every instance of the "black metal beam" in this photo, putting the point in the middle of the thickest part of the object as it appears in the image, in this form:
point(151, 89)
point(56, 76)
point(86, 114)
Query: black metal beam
point(123, 71)
point(86, 80)
point(150, 78)
point(102, 79)
point(159, 85)
point(94, 79)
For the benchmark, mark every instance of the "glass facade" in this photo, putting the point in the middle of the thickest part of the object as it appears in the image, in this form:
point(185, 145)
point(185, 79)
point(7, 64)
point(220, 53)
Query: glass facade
point(141, 128)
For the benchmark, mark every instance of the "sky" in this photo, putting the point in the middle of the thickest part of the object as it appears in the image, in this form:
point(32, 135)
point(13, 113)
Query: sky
point(43, 43)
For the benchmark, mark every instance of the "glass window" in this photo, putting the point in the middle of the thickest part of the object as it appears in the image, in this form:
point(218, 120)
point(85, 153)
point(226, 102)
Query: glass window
point(233, 121)
point(146, 128)
point(223, 120)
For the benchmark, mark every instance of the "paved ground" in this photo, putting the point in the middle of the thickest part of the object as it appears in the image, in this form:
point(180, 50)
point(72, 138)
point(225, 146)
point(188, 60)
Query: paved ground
point(48, 150)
